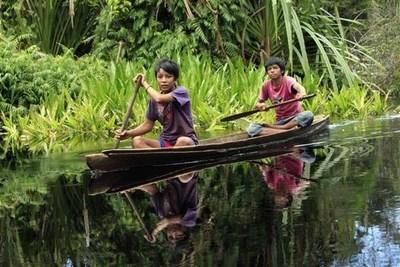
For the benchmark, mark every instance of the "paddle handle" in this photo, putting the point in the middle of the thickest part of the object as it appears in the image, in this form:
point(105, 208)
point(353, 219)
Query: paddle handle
point(135, 210)
point(248, 113)
point(129, 111)
point(290, 101)
point(123, 127)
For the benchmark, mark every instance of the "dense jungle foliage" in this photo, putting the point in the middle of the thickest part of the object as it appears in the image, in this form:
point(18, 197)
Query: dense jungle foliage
point(66, 71)
point(66, 66)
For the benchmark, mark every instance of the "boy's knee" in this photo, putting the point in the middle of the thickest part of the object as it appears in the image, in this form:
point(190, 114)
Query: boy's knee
point(305, 118)
point(254, 129)
point(184, 141)
point(137, 141)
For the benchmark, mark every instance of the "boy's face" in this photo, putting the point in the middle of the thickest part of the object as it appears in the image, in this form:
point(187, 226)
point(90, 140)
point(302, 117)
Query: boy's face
point(274, 71)
point(165, 80)
point(280, 201)
point(175, 232)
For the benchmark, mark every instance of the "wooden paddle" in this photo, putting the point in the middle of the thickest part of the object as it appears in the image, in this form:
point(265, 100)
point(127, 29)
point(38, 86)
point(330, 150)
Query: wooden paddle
point(248, 113)
point(129, 111)
point(123, 127)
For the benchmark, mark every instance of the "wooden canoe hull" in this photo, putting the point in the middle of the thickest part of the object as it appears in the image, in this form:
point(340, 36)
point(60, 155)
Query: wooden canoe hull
point(216, 148)
point(117, 181)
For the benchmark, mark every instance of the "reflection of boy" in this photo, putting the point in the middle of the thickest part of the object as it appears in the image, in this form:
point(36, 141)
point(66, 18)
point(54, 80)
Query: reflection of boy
point(176, 206)
point(281, 179)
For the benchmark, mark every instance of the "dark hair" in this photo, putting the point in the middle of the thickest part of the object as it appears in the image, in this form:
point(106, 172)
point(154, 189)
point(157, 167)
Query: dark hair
point(169, 66)
point(183, 245)
point(275, 61)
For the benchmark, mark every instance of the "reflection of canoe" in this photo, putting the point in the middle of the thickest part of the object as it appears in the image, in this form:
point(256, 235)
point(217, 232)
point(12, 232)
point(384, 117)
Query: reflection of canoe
point(215, 148)
point(117, 181)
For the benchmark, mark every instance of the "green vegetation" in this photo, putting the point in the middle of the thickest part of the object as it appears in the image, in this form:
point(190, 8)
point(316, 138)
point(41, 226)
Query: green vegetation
point(383, 40)
point(312, 39)
point(65, 76)
point(66, 71)
point(28, 77)
point(92, 114)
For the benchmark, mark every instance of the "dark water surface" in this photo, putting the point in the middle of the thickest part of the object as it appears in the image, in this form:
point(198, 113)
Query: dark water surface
point(333, 202)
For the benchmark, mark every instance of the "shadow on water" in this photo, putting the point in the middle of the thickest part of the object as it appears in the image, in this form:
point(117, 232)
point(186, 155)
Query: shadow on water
point(334, 201)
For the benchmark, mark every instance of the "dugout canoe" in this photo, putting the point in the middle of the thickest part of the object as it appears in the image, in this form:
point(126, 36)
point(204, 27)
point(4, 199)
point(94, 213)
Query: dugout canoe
point(214, 148)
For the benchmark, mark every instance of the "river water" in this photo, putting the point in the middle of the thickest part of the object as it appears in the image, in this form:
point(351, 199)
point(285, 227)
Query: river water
point(331, 202)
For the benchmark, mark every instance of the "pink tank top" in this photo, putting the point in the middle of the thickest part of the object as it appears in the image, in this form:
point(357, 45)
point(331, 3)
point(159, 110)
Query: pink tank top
point(279, 94)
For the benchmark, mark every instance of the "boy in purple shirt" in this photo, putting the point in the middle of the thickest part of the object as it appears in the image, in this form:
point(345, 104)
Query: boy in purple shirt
point(170, 106)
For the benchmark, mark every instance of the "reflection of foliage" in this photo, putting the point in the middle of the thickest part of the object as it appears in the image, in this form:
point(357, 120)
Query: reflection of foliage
point(44, 224)
point(237, 224)
point(33, 220)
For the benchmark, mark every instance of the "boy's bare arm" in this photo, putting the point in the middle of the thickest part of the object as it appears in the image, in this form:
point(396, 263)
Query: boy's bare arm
point(301, 91)
point(143, 128)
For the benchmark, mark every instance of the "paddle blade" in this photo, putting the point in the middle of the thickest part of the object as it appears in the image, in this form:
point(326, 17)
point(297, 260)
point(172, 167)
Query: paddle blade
point(239, 115)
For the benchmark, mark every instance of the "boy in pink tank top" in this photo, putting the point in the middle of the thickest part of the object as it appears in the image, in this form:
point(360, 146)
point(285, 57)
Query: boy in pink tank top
point(277, 89)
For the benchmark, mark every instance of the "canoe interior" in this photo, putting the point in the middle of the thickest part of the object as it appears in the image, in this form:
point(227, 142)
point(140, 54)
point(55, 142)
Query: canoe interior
point(231, 141)
point(214, 148)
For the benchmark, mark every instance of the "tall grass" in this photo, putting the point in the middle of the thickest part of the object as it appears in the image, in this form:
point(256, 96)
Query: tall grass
point(60, 24)
point(95, 112)
point(310, 41)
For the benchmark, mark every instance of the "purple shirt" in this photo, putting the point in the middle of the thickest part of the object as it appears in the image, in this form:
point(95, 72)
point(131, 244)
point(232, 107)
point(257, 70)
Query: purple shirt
point(178, 199)
point(175, 116)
